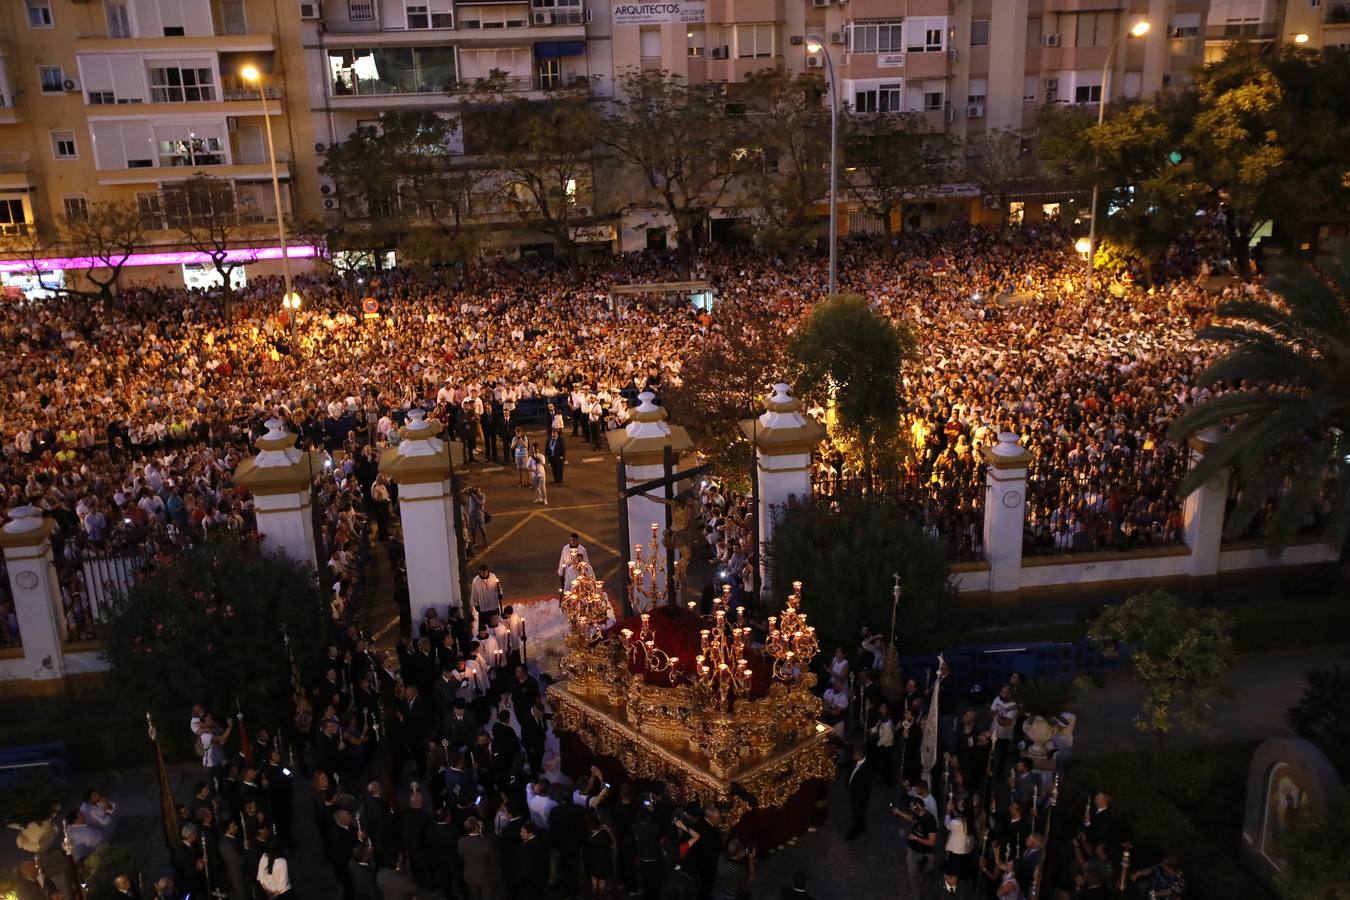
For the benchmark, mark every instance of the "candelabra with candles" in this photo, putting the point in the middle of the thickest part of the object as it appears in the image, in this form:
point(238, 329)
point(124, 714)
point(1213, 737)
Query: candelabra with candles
point(792, 643)
point(589, 664)
point(720, 670)
point(647, 575)
point(643, 645)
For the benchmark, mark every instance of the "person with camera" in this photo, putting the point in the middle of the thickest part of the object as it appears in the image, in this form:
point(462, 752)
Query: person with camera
point(735, 870)
point(920, 840)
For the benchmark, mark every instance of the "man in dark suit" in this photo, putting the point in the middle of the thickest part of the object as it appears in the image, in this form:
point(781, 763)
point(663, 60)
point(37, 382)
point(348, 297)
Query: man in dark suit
point(189, 875)
point(505, 746)
point(1025, 867)
point(534, 735)
point(460, 726)
point(859, 792)
point(530, 866)
point(555, 451)
point(482, 864)
point(362, 875)
point(394, 884)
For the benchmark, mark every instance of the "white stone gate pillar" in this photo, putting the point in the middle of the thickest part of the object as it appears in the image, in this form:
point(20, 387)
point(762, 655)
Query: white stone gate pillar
point(37, 594)
point(280, 479)
point(641, 445)
point(783, 439)
point(1005, 511)
point(420, 466)
point(1202, 514)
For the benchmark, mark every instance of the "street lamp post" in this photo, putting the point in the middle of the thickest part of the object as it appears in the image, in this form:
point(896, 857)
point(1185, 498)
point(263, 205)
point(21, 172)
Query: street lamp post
point(290, 301)
point(1139, 29)
point(814, 44)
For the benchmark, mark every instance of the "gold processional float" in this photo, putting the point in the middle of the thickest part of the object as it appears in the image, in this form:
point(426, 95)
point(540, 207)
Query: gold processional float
point(681, 697)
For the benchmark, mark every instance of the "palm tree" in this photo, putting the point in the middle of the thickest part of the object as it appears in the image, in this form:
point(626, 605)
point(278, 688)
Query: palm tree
point(1289, 410)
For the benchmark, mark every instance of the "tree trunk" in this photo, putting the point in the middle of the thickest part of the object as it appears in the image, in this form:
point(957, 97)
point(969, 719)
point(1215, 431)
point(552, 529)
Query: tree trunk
point(1239, 245)
point(1156, 768)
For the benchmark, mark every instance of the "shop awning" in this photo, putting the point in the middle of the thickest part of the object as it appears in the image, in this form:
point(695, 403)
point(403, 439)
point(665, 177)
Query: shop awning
point(557, 49)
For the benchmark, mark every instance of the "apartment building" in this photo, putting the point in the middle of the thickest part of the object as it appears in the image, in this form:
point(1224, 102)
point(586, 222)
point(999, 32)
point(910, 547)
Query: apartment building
point(1308, 23)
point(117, 99)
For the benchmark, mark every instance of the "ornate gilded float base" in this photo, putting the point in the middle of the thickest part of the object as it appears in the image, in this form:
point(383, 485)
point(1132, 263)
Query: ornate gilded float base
point(772, 779)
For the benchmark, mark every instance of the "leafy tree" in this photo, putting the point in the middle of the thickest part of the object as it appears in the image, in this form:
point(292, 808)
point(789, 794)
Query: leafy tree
point(681, 143)
point(406, 181)
point(851, 355)
point(996, 162)
point(1177, 654)
point(1316, 864)
point(846, 577)
point(1321, 715)
point(205, 627)
point(30, 244)
point(723, 379)
point(888, 158)
point(107, 233)
point(541, 152)
point(213, 220)
point(1290, 417)
point(789, 140)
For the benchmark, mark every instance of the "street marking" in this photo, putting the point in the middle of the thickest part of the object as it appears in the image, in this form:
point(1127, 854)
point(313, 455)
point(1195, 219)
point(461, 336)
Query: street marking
point(595, 541)
point(594, 459)
point(385, 630)
point(491, 468)
point(530, 512)
point(505, 534)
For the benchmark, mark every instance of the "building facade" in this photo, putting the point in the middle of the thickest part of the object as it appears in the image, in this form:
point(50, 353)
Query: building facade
point(115, 100)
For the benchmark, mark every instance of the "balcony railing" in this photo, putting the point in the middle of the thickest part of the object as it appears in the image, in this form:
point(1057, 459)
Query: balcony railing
point(15, 161)
point(1233, 31)
point(249, 93)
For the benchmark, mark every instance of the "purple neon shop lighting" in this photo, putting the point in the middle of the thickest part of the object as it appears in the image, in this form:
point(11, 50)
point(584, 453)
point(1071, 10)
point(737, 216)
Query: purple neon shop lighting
point(173, 258)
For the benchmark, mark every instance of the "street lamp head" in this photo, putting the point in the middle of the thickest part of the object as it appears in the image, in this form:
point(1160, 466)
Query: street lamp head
point(1082, 245)
point(290, 301)
point(814, 44)
point(1140, 29)
point(1301, 38)
point(250, 73)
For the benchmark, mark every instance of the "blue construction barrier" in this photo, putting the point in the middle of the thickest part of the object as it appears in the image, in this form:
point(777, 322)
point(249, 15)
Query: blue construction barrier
point(993, 664)
point(18, 762)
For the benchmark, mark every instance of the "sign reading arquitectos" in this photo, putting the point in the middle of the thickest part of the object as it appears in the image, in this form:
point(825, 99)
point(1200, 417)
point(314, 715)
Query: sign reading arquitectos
point(671, 12)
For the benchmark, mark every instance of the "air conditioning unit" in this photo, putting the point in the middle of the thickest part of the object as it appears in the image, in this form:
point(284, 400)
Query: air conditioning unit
point(952, 55)
point(70, 84)
point(719, 53)
point(975, 111)
point(836, 37)
point(1052, 40)
point(543, 18)
point(841, 2)
point(320, 148)
point(332, 203)
point(815, 62)
point(819, 3)
point(796, 40)
point(232, 124)
point(309, 10)
point(949, 115)
point(582, 211)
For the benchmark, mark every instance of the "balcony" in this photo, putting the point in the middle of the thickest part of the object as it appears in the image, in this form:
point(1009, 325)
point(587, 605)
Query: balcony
point(15, 170)
point(223, 43)
point(162, 174)
point(1338, 14)
point(1240, 31)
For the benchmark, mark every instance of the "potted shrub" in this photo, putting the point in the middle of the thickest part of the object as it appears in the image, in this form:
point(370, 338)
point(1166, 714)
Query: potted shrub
point(1044, 702)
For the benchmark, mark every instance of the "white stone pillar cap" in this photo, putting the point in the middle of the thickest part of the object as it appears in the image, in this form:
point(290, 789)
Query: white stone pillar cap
point(23, 519)
point(1007, 445)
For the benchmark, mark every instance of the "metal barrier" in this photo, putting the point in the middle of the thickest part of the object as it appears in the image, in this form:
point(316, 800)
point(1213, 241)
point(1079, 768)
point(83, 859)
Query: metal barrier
point(91, 583)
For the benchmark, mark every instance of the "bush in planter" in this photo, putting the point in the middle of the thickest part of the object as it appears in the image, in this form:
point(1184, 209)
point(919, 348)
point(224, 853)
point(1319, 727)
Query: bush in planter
point(844, 553)
point(205, 626)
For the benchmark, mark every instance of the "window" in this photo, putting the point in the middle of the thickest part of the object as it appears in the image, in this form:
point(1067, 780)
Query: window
point(881, 98)
point(52, 78)
point(1030, 89)
point(932, 99)
point(1087, 93)
point(151, 206)
point(119, 20)
point(361, 10)
point(695, 41)
point(101, 98)
point(649, 43)
point(755, 41)
point(924, 34)
point(977, 90)
point(39, 13)
point(191, 150)
point(181, 84)
point(979, 33)
point(13, 218)
point(883, 37)
point(1093, 29)
point(1034, 31)
point(75, 207)
point(63, 145)
point(422, 15)
point(550, 73)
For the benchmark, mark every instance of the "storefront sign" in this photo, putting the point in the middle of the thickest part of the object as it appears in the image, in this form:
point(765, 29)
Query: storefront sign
point(891, 61)
point(674, 11)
